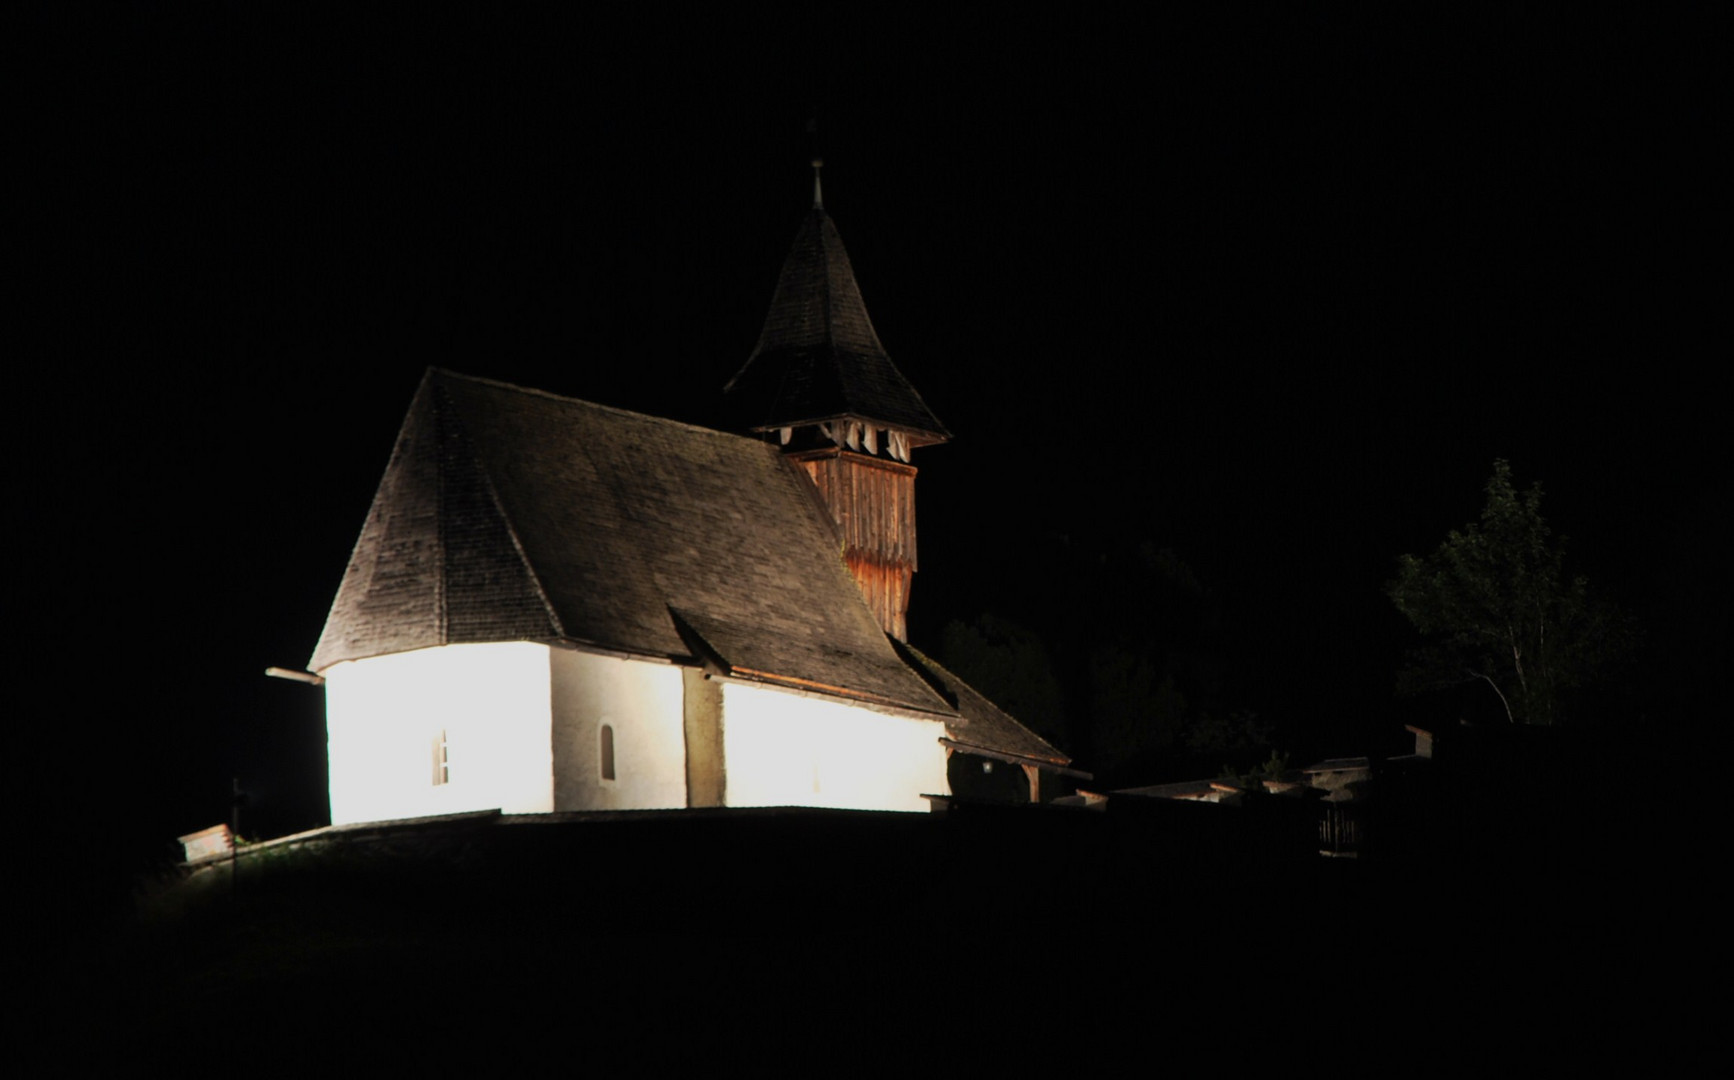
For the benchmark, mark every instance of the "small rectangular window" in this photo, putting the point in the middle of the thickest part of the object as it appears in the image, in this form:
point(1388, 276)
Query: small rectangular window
point(607, 751)
point(442, 773)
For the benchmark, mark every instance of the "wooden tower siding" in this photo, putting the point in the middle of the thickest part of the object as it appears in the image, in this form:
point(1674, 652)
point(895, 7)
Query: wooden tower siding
point(872, 500)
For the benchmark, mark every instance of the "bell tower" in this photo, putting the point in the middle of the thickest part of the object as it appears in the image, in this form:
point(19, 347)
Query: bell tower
point(821, 384)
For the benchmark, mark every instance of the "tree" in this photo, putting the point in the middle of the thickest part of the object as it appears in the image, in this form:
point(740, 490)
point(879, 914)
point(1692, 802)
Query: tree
point(1496, 607)
point(1009, 663)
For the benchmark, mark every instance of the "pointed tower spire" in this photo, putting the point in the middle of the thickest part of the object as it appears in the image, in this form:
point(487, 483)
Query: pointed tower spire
point(818, 362)
point(823, 384)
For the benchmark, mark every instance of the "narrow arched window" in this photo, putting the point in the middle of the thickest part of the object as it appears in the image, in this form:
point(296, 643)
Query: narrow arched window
point(606, 755)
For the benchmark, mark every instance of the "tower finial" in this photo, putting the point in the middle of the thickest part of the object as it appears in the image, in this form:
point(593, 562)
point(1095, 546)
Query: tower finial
point(818, 196)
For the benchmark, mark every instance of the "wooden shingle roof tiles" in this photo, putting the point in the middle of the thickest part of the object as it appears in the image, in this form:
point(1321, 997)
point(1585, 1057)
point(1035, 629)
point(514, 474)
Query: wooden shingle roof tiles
point(508, 514)
point(818, 357)
point(511, 514)
point(979, 723)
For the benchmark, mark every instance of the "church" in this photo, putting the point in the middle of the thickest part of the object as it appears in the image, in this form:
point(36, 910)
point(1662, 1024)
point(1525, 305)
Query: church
point(560, 606)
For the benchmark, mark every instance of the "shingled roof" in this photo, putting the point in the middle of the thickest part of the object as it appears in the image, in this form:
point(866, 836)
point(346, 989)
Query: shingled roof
point(509, 514)
point(980, 724)
point(818, 357)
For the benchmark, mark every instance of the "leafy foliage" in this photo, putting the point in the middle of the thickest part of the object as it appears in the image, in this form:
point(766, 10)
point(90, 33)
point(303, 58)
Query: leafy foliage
point(1272, 768)
point(1122, 664)
point(1010, 663)
point(1135, 707)
point(1496, 606)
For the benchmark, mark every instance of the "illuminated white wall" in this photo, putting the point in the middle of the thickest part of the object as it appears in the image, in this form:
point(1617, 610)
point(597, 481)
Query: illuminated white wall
point(784, 749)
point(522, 725)
point(642, 702)
point(383, 714)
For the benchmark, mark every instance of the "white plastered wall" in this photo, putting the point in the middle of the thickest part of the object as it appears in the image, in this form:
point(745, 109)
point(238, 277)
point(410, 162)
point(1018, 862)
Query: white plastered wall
point(383, 715)
point(642, 703)
point(789, 749)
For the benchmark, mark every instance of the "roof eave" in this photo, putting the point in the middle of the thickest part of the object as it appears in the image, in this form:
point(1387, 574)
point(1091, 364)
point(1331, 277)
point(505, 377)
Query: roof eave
point(917, 436)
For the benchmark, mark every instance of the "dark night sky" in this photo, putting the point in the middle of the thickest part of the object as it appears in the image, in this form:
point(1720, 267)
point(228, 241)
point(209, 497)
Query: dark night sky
point(1270, 290)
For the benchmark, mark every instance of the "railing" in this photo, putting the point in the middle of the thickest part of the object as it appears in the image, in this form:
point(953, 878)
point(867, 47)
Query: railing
point(1342, 830)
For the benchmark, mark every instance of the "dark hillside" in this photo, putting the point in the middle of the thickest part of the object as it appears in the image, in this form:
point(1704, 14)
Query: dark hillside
point(567, 928)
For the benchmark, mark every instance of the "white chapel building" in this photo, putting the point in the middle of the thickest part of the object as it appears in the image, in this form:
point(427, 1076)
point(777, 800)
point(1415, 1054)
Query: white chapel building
point(560, 606)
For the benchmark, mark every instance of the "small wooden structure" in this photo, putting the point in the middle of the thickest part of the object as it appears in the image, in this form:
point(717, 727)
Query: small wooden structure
point(212, 843)
point(820, 383)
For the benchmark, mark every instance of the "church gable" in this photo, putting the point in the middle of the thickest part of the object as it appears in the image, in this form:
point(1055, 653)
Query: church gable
point(436, 562)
